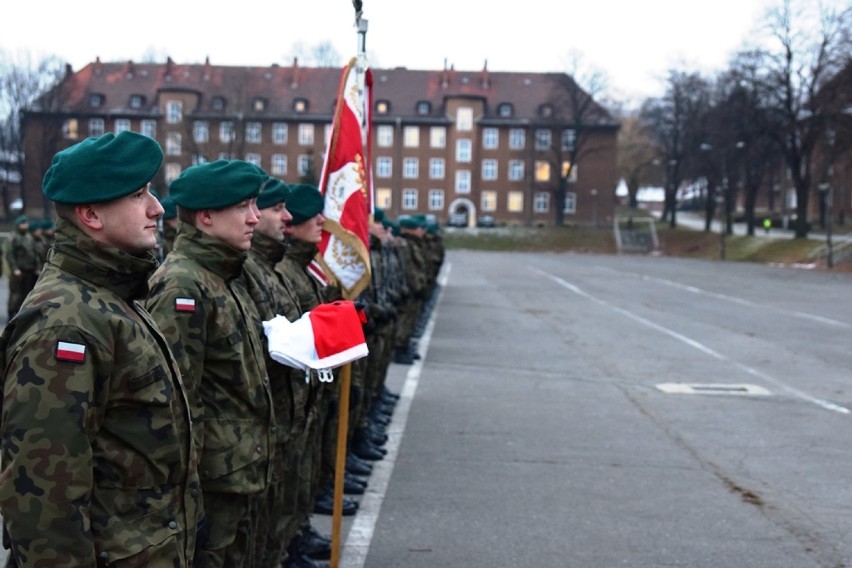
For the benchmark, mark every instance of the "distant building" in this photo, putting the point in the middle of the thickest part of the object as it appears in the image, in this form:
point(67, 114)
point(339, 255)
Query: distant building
point(444, 142)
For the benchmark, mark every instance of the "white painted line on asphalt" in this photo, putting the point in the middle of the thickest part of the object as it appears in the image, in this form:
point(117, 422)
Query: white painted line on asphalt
point(357, 544)
point(713, 388)
point(695, 344)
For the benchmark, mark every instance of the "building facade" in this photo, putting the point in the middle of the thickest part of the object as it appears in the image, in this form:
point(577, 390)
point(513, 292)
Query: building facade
point(512, 146)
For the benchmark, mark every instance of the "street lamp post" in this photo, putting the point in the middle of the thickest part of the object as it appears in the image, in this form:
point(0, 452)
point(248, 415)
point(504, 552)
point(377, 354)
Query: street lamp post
point(825, 189)
point(594, 193)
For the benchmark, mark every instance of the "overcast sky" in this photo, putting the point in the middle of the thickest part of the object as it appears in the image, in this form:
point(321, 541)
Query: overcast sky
point(633, 43)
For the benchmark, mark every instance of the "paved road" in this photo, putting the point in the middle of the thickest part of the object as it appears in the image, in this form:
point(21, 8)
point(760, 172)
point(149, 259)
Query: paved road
point(536, 433)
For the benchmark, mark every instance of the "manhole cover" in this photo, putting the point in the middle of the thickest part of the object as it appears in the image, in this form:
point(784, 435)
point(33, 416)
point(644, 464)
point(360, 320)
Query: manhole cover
point(711, 388)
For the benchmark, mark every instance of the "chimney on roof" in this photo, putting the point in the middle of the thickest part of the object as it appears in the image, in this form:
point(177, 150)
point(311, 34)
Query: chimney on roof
point(486, 80)
point(445, 76)
point(131, 69)
point(98, 66)
point(207, 68)
point(68, 70)
point(169, 65)
point(295, 80)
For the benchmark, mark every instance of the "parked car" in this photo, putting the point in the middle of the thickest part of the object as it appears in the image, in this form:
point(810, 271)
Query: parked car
point(486, 221)
point(457, 220)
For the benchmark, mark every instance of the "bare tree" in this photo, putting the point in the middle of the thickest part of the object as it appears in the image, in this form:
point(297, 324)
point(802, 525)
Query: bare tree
point(322, 54)
point(639, 157)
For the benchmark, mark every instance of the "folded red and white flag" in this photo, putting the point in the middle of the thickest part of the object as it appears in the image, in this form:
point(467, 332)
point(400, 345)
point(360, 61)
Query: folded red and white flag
point(326, 337)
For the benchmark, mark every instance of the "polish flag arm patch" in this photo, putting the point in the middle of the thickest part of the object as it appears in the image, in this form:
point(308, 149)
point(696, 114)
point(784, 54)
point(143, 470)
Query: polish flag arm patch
point(71, 352)
point(185, 305)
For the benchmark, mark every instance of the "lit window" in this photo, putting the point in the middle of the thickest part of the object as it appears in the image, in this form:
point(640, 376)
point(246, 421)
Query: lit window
point(384, 167)
point(122, 124)
point(226, 131)
point(488, 201)
point(566, 167)
point(149, 128)
point(173, 140)
point(490, 138)
point(411, 136)
point(279, 164)
point(515, 201)
point(542, 170)
point(384, 136)
point(517, 139)
point(409, 199)
point(462, 181)
point(200, 131)
point(279, 133)
point(96, 126)
point(464, 119)
point(570, 203)
point(438, 137)
point(489, 170)
point(410, 168)
point(542, 139)
point(384, 197)
point(300, 105)
point(516, 170)
point(306, 134)
point(541, 202)
point(463, 150)
point(174, 112)
point(253, 132)
point(436, 199)
point(382, 107)
point(437, 169)
point(259, 105)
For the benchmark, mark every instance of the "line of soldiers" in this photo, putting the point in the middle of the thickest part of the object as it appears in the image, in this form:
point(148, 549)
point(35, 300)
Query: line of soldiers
point(144, 422)
point(25, 253)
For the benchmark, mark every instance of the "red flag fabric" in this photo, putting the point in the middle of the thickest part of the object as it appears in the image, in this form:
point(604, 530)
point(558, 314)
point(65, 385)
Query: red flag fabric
point(346, 184)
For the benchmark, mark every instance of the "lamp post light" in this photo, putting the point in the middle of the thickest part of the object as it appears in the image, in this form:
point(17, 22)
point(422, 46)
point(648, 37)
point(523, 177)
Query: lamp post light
point(828, 198)
point(594, 193)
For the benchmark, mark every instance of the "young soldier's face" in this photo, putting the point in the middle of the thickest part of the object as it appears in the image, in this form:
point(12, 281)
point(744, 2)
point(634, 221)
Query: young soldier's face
point(273, 220)
point(234, 225)
point(310, 231)
point(130, 222)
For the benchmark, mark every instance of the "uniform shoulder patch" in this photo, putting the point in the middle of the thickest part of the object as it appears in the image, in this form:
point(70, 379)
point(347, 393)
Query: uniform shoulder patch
point(71, 352)
point(185, 305)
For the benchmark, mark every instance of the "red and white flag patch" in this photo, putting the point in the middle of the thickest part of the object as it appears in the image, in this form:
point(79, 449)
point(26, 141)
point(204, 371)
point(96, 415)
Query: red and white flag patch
point(72, 352)
point(185, 305)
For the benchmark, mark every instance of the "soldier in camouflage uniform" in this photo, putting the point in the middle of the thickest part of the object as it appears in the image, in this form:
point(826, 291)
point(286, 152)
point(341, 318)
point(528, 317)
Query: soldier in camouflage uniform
point(416, 267)
point(23, 262)
point(99, 465)
point(199, 298)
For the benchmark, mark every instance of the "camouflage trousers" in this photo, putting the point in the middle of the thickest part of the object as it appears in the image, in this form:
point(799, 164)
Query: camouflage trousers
point(231, 530)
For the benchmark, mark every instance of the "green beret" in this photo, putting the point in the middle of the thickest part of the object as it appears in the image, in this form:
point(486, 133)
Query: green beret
point(216, 185)
point(274, 192)
point(408, 222)
point(378, 215)
point(46, 224)
point(102, 169)
point(304, 203)
point(169, 208)
point(21, 219)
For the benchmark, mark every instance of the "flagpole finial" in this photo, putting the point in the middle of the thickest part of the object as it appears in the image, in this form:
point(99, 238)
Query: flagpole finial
point(358, 5)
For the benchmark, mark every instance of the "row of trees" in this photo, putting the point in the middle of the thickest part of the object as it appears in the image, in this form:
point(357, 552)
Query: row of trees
point(783, 107)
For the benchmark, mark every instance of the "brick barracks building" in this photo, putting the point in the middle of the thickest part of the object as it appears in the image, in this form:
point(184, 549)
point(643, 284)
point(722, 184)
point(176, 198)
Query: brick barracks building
point(445, 142)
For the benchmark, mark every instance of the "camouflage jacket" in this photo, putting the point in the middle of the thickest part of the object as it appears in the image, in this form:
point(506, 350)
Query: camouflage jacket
point(416, 265)
point(273, 295)
point(199, 299)
point(23, 252)
point(98, 458)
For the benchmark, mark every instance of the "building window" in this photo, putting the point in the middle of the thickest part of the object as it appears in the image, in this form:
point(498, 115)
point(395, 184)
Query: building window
point(436, 199)
point(149, 128)
point(217, 103)
point(515, 201)
point(570, 203)
point(409, 199)
point(411, 136)
point(304, 164)
point(96, 100)
point(226, 131)
point(279, 164)
point(566, 167)
point(253, 158)
point(384, 167)
point(259, 105)
point(542, 170)
point(96, 126)
point(253, 132)
point(300, 105)
point(173, 140)
point(410, 168)
point(463, 150)
point(200, 131)
point(464, 119)
point(517, 139)
point(226, 156)
point(541, 202)
point(174, 112)
point(306, 134)
point(438, 137)
point(545, 110)
point(489, 170)
point(326, 134)
point(516, 170)
point(542, 139)
point(504, 110)
point(462, 181)
point(437, 169)
point(384, 136)
point(382, 107)
point(172, 172)
point(136, 101)
point(423, 107)
point(490, 137)
point(488, 201)
point(122, 124)
point(569, 139)
point(199, 159)
point(384, 197)
point(279, 133)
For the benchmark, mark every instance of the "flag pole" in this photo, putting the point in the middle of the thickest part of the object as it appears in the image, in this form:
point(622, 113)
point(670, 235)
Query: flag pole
point(346, 370)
